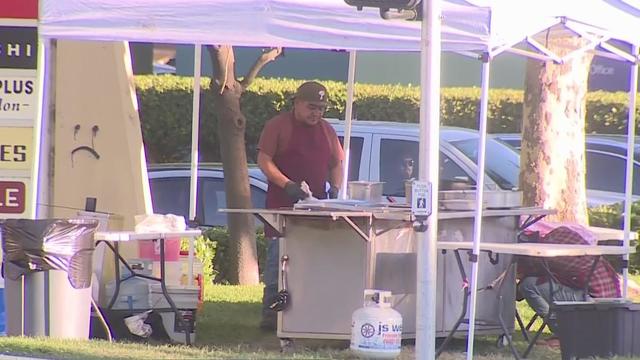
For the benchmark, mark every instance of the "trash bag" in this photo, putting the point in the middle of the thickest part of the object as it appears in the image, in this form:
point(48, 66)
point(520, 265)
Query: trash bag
point(49, 244)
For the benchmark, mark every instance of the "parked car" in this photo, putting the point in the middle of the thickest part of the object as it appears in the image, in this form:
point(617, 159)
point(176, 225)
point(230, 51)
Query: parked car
point(606, 157)
point(170, 191)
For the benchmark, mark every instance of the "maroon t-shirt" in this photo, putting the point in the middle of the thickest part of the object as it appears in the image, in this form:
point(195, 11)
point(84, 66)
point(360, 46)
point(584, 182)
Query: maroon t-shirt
point(302, 153)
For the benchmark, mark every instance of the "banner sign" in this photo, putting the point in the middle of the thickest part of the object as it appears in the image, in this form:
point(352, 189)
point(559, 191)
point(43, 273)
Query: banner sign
point(18, 47)
point(13, 196)
point(19, 101)
point(19, 9)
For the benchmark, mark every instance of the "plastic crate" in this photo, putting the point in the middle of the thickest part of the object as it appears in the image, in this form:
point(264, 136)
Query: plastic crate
point(601, 328)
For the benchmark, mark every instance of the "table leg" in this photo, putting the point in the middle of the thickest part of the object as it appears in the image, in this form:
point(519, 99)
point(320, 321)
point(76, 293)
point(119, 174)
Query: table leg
point(165, 292)
point(465, 300)
point(505, 328)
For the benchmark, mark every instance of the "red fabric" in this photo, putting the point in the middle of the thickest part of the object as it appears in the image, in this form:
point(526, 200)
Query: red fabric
point(306, 158)
point(573, 271)
point(19, 9)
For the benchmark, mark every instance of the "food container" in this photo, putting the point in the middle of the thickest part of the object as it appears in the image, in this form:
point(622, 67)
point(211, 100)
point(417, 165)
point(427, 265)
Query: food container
point(370, 191)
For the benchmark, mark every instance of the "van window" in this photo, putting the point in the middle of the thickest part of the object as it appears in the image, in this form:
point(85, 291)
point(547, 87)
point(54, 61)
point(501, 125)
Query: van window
point(355, 151)
point(398, 162)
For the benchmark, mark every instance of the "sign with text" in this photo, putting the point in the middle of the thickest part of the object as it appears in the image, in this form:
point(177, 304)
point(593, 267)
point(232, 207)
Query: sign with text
point(19, 101)
point(421, 198)
point(15, 148)
point(13, 196)
point(18, 47)
point(19, 9)
point(18, 97)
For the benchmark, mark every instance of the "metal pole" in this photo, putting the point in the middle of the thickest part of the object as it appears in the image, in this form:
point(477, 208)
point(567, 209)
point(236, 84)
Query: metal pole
point(195, 123)
point(477, 228)
point(40, 181)
point(430, 47)
point(348, 114)
point(628, 186)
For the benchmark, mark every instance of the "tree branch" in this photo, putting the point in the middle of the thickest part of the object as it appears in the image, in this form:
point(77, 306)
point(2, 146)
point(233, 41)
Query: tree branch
point(223, 61)
point(264, 59)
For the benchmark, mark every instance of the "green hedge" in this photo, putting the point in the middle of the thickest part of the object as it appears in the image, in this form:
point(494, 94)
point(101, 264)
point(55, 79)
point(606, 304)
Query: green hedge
point(166, 105)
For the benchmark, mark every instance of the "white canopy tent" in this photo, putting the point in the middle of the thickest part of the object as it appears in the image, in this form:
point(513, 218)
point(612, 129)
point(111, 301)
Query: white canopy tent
point(479, 28)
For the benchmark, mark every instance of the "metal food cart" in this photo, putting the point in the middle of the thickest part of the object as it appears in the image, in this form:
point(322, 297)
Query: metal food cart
point(335, 252)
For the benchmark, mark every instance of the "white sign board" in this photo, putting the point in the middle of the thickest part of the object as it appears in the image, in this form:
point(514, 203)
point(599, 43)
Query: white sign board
point(421, 198)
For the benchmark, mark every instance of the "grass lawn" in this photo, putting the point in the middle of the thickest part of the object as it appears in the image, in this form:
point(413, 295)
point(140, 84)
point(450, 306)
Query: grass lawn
point(227, 328)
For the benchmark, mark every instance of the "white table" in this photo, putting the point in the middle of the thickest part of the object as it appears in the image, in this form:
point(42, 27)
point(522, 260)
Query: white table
point(524, 249)
point(538, 249)
point(112, 238)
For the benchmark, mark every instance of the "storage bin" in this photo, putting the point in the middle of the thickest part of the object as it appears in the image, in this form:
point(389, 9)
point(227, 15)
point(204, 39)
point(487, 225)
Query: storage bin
point(150, 249)
point(133, 294)
point(600, 328)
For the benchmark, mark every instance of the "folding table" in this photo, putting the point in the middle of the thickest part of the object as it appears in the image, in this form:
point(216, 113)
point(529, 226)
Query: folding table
point(111, 240)
point(539, 250)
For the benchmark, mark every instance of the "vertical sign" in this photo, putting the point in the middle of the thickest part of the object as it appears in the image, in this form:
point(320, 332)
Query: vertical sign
point(18, 105)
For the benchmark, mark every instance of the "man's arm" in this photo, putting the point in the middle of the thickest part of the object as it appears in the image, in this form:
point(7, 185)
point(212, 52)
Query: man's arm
point(336, 175)
point(269, 168)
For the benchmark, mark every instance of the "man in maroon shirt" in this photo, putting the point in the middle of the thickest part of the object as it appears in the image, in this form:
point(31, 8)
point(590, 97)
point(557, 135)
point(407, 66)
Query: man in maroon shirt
point(296, 146)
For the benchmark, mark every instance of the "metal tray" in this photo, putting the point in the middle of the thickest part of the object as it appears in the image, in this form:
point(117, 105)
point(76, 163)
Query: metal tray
point(491, 199)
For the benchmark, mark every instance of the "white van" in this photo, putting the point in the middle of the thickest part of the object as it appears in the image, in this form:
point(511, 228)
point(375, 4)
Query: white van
point(378, 148)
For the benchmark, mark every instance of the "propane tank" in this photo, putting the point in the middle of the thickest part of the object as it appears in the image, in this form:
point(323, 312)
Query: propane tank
point(376, 328)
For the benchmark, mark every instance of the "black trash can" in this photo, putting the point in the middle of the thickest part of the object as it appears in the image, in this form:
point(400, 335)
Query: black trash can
point(601, 328)
point(47, 269)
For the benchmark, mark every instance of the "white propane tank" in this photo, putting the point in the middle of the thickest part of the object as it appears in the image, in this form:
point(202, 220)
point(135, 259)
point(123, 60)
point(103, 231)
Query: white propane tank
point(376, 328)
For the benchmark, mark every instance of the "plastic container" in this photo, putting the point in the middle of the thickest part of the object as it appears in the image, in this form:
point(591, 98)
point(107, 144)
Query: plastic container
point(598, 329)
point(133, 294)
point(150, 249)
point(376, 328)
point(370, 191)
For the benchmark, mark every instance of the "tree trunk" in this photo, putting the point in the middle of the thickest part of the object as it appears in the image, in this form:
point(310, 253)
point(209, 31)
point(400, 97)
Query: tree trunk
point(226, 91)
point(552, 158)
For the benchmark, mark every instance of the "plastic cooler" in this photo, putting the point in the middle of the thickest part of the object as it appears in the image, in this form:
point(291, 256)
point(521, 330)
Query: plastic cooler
point(601, 328)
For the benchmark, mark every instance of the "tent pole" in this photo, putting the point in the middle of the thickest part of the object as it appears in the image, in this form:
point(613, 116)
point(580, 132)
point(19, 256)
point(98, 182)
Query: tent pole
point(628, 187)
point(477, 228)
point(40, 181)
point(195, 122)
point(348, 114)
point(430, 48)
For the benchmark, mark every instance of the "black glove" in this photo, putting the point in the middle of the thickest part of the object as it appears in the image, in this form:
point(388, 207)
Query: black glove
point(333, 192)
point(294, 190)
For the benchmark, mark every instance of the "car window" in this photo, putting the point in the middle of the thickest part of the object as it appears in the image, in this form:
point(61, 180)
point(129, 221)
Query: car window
point(214, 198)
point(170, 196)
point(451, 173)
point(606, 172)
point(355, 155)
point(502, 163)
point(398, 162)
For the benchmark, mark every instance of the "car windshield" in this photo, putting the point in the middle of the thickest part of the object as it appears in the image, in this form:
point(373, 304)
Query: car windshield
point(502, 163)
